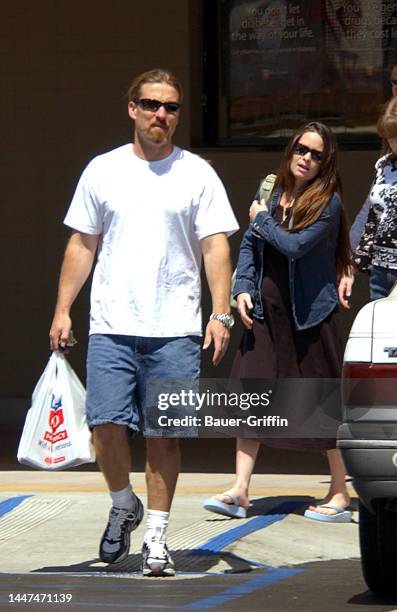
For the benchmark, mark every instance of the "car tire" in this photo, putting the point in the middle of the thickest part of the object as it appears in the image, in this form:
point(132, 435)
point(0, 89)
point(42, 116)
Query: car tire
point(378, 543)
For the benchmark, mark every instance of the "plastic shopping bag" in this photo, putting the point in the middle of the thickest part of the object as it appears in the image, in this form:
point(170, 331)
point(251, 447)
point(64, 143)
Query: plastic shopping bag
point(55, 435)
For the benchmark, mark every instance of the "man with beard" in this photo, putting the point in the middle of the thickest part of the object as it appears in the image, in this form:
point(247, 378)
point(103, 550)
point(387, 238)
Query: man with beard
point(149, 211)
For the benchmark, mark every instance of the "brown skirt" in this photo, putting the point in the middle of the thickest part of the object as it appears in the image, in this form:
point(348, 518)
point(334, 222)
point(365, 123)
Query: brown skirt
point(275, 349)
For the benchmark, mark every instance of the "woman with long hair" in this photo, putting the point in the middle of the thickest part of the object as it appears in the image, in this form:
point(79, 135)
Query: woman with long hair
point(292, 257)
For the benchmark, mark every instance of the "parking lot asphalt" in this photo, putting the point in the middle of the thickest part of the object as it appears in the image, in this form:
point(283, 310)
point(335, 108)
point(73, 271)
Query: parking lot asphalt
point(51, 524)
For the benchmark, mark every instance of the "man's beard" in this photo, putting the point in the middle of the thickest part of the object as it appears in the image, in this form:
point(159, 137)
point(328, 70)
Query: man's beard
point(157, 135)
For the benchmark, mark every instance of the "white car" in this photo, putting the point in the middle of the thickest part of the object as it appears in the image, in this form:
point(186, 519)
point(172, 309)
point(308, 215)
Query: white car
point(368, 436)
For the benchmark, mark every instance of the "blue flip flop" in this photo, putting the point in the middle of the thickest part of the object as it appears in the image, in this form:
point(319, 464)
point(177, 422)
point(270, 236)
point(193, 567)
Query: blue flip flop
point(341, 514)
point(233, 510)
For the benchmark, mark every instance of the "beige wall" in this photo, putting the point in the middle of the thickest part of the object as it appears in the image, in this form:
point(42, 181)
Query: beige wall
point(65, 66)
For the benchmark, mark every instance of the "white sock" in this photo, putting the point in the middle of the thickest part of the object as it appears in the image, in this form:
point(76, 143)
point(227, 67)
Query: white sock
point(157, 522)
point(123, 499)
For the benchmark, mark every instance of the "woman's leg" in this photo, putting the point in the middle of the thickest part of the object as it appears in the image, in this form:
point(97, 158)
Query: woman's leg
point(246, 453)
point(337, 493)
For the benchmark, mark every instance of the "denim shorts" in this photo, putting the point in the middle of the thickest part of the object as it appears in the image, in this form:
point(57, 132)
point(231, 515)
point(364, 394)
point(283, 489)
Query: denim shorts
point(381, 282)
point(136, 382)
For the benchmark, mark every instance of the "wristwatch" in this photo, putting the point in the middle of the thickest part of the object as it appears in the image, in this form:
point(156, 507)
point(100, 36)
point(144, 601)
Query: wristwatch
point(226, 319)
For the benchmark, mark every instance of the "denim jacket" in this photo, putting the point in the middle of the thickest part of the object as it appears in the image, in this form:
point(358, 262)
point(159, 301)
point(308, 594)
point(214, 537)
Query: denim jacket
point(311, 254)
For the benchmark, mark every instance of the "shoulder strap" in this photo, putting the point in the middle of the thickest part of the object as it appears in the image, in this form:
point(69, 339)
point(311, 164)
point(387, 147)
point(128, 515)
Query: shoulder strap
point(266, 187)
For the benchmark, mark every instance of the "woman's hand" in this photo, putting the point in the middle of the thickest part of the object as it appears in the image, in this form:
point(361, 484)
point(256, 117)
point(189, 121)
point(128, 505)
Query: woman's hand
point(256, 207)
point(345, 289)
point(244, 306)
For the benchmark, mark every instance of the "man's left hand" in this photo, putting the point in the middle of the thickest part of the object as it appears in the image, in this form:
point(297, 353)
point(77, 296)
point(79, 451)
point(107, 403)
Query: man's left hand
point(216, 332)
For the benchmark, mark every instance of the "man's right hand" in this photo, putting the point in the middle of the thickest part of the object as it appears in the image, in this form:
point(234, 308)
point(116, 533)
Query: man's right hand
point(76, 266)
point(244, 306)
point(60, 331)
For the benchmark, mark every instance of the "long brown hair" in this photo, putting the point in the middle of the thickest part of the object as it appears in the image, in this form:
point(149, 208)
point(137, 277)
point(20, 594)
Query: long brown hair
point(315, 195)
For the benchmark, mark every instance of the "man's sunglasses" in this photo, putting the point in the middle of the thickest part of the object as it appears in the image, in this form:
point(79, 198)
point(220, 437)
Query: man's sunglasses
point(153, 105)
point(393, 82)
point(301, 150)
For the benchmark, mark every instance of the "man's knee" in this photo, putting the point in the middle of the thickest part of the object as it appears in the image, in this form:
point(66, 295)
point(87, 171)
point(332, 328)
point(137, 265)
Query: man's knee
point(108, 434)
point(162, 447)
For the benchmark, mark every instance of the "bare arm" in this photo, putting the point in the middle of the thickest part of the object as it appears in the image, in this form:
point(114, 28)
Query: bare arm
point(218, 269)
point(76, 266)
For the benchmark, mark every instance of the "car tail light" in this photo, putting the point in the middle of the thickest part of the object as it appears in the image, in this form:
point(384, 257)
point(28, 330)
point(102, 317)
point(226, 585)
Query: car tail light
point(369, 384)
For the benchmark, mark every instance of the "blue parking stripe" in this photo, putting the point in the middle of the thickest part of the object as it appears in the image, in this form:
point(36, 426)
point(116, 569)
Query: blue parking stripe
point(216, 544)
point(226, 538)
point(9, 504)
point(239, 590)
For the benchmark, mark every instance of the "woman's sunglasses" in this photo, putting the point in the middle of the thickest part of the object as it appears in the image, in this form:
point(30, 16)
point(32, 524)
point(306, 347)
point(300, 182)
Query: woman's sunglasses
point(153, 105)
point(302, 150)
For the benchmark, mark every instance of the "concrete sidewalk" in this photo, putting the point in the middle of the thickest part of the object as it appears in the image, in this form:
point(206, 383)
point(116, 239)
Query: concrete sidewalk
point(52, 523)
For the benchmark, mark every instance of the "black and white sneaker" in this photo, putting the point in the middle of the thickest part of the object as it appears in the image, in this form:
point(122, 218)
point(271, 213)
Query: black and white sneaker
point(156, 559)
point(115, 542)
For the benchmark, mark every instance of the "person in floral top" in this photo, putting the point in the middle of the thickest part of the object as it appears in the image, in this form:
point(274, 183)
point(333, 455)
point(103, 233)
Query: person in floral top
point(376, 250)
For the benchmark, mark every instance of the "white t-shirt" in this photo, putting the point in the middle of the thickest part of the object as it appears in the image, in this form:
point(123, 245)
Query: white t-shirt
point(151, 217)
